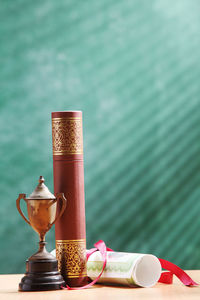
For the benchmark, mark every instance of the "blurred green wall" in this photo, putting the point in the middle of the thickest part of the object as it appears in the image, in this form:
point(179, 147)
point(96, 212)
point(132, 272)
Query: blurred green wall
point(133, 67)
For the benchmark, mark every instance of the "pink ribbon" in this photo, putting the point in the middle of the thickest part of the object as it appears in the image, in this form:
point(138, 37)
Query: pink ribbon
point(166, 277)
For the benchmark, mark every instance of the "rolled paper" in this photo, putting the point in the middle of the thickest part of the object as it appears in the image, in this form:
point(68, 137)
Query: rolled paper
point(129, 269)
point(67, 138)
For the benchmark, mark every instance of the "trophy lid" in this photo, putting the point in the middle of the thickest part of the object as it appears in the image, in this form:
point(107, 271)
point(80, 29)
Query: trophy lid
point(41, 191)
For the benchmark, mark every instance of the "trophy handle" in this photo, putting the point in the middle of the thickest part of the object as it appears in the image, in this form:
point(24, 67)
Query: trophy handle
point(21, 196)
point(60, 196)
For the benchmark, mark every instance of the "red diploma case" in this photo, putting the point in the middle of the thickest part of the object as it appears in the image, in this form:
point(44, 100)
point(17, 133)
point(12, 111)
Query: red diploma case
point(67, 138)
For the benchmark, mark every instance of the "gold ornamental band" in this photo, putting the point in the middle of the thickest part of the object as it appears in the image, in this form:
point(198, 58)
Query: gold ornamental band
point(71, 255)
point(68, 118)
point(66, 241)
point(66, 152)
point(67, 136)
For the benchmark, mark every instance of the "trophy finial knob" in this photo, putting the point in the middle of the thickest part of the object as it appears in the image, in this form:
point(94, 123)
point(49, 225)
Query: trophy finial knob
point(41, 179)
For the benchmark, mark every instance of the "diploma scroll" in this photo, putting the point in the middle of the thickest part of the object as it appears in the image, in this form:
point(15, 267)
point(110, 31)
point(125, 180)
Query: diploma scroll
point(130, 269)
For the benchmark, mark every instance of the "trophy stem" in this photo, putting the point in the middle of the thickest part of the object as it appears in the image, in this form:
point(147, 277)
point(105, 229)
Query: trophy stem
point(42, 237)
point(42, 247)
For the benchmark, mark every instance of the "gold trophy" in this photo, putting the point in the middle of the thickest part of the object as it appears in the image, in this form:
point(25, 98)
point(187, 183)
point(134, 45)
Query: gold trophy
point(42, 267)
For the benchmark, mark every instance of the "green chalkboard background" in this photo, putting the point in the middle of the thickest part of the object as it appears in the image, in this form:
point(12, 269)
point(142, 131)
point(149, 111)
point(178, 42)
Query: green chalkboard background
point(133, 68)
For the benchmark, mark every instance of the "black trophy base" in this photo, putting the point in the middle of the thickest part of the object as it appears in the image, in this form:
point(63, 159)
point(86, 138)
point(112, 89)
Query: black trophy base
point(41, 275)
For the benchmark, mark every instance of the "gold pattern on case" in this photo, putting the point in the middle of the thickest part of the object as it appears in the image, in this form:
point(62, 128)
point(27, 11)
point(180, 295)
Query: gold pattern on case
point(67, 136)
point(71, 255)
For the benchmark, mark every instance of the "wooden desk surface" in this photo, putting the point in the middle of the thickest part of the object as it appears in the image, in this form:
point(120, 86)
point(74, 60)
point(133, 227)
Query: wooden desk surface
point(9, 290)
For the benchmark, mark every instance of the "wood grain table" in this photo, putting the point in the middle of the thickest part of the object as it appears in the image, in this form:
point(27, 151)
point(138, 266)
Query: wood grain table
point(9, 290)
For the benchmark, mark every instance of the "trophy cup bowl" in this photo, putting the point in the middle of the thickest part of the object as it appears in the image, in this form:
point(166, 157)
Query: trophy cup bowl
point(42, 267)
